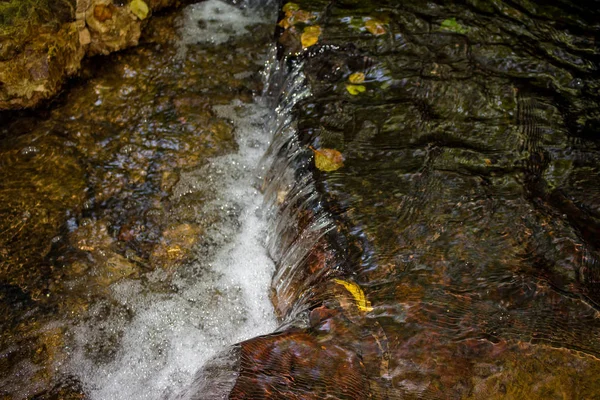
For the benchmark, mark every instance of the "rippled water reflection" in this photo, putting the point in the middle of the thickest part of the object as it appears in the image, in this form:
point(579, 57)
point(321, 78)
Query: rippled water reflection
point(454, 255)
point(466, 210)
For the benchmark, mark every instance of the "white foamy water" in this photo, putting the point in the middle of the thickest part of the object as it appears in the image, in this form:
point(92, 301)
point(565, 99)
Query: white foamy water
point(215, 22)
point(163, 338)
point(155, 333)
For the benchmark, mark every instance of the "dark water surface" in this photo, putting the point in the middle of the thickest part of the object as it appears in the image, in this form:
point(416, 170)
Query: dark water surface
point(467, 209)
point(454, 255)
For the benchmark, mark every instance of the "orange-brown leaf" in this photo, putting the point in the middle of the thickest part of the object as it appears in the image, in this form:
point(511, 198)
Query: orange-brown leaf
point(310, 35)
point(375, 26)
point(328, 159)
point(357, 77)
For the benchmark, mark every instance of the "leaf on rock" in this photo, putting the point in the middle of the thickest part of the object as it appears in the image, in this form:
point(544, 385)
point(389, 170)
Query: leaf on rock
point(451, 25)
point(355, 89)
point(359, 296)
point(357, 77)
point(310, 35)
point(290, 7)
point(139, 8)
point(284, 23)
point(328, 159)
point(375, 26)
point(293, 17)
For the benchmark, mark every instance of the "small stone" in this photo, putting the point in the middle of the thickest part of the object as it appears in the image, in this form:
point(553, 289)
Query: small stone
point(84, 37)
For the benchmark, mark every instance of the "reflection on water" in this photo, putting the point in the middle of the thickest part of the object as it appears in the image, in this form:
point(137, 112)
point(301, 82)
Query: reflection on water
point(466, 212)
point(454, 255)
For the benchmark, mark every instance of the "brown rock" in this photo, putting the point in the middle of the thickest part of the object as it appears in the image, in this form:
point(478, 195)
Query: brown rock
point(33, 69)
point(37, 72)
point(297, 365)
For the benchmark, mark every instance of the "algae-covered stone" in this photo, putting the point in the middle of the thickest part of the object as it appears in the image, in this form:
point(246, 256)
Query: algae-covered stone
point(42, 42)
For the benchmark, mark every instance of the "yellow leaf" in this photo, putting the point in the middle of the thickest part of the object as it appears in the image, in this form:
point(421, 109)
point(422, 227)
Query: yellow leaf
point(310, 36)
point(375, 26)
point(357, 77)
point(355, 89)
point(290, 7)
point(293, 17)
point(328, 159)
point(139, 8)
point(284, 23)
point(359, 296)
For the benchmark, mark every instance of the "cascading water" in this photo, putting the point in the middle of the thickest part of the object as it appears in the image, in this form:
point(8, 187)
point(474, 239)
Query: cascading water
point(452, 256)
point(144, 338)
point(219, 299)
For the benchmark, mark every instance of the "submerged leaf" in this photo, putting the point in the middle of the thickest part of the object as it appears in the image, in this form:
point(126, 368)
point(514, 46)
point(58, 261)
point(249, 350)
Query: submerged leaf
point(357, 77)
point(355, 89)
point(359, 296)
point(451, 25)
point(301, 16)
point(310, 36)
point(375, 26)
point(139, 8)
point(328, 159)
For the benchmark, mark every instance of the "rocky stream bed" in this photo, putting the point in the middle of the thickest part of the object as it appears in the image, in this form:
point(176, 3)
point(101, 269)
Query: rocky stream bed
point(431, 207)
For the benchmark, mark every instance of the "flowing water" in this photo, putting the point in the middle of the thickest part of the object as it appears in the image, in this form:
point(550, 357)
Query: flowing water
point(454, 254)
point(133, 233)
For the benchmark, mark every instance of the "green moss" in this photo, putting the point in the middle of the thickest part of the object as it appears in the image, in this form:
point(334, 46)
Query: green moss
point(18, 17)
point(453, 26)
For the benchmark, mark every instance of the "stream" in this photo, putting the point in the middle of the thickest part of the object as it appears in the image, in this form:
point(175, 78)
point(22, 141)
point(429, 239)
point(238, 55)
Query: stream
point(324, 199)
point(134, 249)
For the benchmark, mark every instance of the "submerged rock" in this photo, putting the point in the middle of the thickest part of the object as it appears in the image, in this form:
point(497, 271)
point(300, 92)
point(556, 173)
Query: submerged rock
point(464, 219)
point(87, 195)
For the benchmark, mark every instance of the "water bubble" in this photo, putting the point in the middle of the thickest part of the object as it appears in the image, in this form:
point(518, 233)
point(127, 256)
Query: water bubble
point(30, 151)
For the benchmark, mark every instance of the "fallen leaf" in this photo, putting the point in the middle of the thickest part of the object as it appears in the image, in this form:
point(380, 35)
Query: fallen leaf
point(290, 7)
point(301, 16)
point(359, 296)
point(357, 77)
point(328, 159)
point(310, 35)
point(139, 8)
point(375, 26)
point(355, 89)
point(284, 23)
point(293, 17)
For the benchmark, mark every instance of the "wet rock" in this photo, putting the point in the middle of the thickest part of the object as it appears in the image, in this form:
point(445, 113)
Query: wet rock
point(36, 61)
point(311, 369)
point(175, 245)
point(86, 194)
point(111, 28)
point(39, 69)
